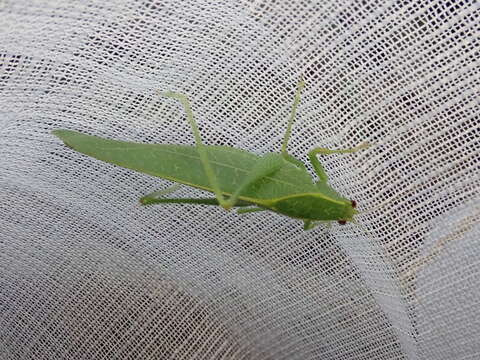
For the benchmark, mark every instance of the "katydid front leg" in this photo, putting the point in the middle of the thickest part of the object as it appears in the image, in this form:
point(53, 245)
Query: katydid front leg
point(265, 166)
point(317, 166)
point(312, 155)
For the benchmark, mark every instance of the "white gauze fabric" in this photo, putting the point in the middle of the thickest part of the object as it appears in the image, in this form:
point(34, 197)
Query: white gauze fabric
point(88, 273)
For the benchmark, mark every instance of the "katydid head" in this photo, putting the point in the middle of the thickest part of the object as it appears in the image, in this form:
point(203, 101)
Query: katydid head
point(350, 212)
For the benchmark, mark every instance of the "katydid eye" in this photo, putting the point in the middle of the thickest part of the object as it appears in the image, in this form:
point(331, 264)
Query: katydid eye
point(342, 222)
point(354, 204)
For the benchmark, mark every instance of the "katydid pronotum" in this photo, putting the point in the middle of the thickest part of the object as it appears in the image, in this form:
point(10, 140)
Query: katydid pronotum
point(276, 181)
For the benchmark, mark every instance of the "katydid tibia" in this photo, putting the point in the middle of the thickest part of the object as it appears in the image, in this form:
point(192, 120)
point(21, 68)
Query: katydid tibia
point(276, 181)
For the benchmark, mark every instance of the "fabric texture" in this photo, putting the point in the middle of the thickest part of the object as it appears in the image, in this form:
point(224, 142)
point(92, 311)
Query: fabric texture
point(88, 273)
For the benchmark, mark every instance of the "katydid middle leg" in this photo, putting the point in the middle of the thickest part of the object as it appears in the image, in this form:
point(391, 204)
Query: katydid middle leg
point(288, 132)
point(250, 210)
point(310, 224)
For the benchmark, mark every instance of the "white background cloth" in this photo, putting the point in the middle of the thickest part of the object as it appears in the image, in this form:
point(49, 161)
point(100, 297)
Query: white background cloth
point(87, 273)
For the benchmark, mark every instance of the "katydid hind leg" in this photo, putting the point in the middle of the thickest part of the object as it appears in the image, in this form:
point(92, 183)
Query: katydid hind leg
point(265, 166)
point(202, 151)
point(146, 200)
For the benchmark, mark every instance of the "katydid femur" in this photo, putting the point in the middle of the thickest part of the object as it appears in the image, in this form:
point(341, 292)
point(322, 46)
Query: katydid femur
point(276, 181)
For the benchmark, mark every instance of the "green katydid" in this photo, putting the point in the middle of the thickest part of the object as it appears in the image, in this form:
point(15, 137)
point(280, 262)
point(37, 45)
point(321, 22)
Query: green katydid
point(276, 181)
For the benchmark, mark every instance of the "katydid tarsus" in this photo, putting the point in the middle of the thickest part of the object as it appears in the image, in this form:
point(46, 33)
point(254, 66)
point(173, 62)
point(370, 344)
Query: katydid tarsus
point(276, 181)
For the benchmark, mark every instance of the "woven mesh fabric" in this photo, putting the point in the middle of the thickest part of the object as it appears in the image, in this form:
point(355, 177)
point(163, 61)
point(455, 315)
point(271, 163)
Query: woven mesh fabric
point(87, 273)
